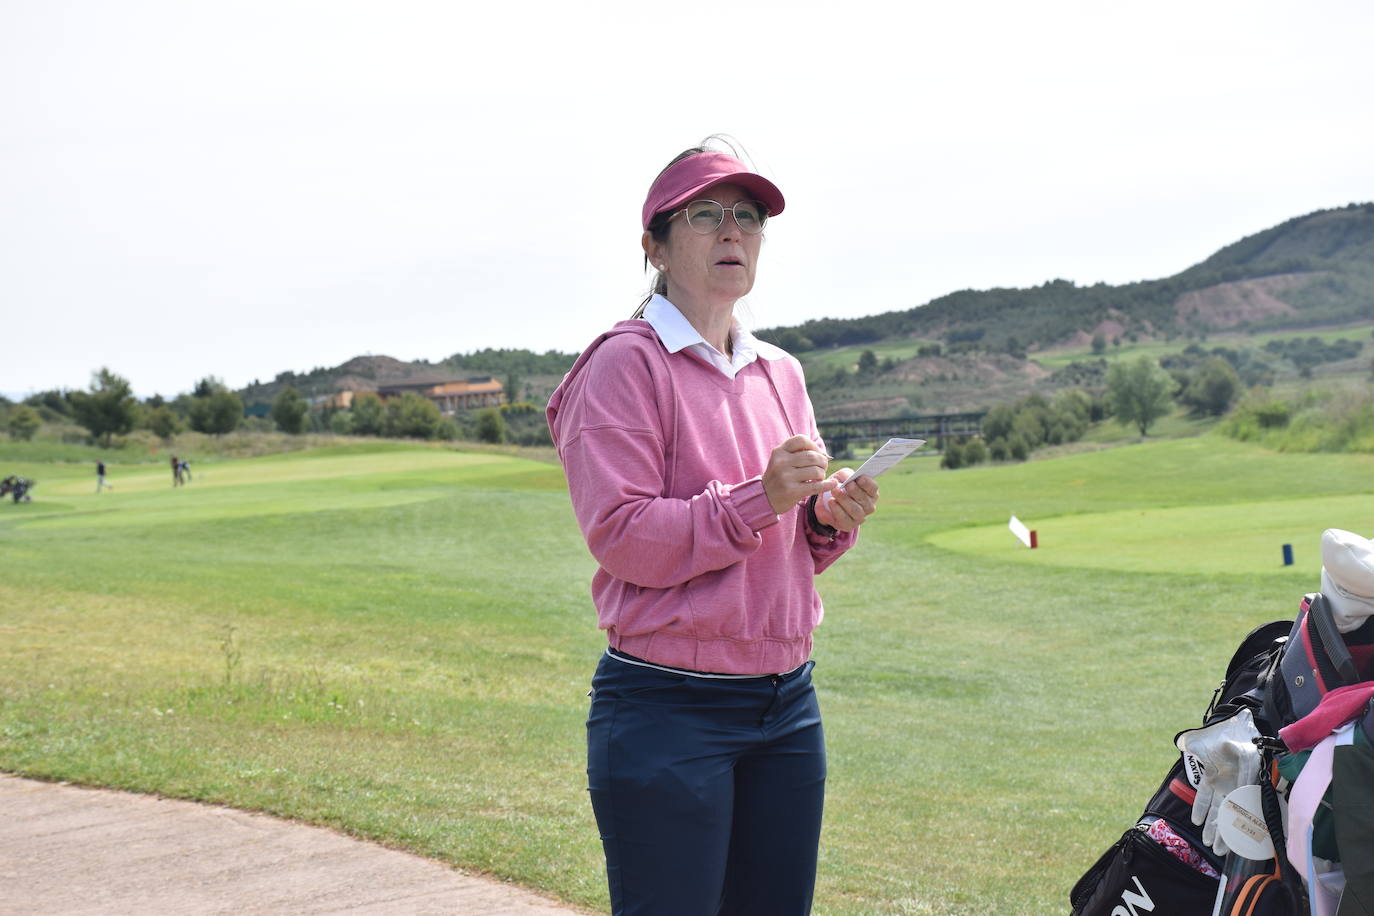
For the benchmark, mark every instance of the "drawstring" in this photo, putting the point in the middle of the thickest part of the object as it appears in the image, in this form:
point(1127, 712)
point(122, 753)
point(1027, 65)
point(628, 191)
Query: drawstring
point(669, 459)
point(777, 395)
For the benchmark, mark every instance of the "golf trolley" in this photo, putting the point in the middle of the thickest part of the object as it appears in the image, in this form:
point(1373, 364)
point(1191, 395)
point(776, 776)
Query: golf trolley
point(16, 487)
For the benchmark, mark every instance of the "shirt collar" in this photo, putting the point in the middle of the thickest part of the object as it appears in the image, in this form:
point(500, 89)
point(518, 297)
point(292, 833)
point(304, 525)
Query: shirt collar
point(677, 333)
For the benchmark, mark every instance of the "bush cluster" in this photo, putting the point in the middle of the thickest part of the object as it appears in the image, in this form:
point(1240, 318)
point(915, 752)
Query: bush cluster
point(1313, 351)
point(1209, 389)
point(525, 424)
point(962, 453)
point(1253, 367)
point(411, 416)
point(1012, 431)
point(1036, 420)
point(1319, 421)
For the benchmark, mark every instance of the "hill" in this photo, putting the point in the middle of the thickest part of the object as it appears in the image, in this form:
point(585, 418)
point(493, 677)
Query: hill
point(1274, 304)
point(974, 348)
point(1311, 271)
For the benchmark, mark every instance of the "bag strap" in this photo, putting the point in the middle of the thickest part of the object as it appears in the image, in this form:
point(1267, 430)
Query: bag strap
point(1328, 646)
point(1289, 883)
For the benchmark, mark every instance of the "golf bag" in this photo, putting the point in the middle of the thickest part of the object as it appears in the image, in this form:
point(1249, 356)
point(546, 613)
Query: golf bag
point(1321, 659)
point(17, 487)
point(1161, 865)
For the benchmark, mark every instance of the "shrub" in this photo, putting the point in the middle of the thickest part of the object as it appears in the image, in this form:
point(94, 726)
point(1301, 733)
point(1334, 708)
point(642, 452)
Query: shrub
point(491, 425)
point(412, 416)
point(998, 422)
point(23, 423)
point(1030, 425)
point(1273, 415)
point(369, 414)
point(289, 411)
point(1211, 388)
point(953, 456)
point(1073, 409)
point(341, 423)
point(963, 454)
point(52, 405)
point(217, 413)
point(975, 452)
point(163, 422)
point(108, 409)
point(1338, 421)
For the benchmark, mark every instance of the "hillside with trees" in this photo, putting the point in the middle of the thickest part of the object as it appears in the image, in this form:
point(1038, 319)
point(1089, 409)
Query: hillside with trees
point(1257, 324)
point(972, 349)
point(1311, 271)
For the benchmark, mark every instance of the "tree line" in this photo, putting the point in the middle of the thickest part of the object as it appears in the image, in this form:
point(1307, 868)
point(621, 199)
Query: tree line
point(108, 408)
point(1136, 393)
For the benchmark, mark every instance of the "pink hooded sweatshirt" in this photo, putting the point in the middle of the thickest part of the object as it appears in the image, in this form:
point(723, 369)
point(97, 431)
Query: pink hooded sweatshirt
point(664, 457)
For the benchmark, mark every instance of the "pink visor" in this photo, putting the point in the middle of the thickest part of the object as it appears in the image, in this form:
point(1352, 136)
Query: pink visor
point(683, 181)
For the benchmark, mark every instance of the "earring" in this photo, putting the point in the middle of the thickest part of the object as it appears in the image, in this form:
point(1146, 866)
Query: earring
point(663, 268)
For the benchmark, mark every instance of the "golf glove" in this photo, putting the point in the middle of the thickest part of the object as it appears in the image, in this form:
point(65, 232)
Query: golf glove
point(1218, 759)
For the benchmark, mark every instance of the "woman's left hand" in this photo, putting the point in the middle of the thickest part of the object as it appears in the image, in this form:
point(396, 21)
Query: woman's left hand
point(845, 507)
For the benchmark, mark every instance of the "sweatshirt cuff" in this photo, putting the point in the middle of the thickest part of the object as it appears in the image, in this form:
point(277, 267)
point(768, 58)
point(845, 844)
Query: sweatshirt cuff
point(751, 502)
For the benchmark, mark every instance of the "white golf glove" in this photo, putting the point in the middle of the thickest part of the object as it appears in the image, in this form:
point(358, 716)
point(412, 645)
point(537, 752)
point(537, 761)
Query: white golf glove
point(1218, 759)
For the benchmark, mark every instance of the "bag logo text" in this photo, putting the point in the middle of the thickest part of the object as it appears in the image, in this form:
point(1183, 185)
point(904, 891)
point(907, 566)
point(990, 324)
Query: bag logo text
point(1130, 900)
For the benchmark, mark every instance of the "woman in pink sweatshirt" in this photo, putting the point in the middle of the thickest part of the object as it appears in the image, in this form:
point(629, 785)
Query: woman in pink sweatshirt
point(695, 467)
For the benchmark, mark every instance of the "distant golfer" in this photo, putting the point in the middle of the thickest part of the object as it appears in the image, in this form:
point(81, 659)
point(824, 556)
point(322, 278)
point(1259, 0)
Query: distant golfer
point(695, 467)
point(185, 471)
point(100, 482)
point(176, 472)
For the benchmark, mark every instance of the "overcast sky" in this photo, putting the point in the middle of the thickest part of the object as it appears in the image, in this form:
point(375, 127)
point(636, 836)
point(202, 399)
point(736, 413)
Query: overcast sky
point(240, 188)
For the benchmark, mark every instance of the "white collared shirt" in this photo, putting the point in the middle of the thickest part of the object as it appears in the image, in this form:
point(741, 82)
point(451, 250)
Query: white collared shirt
point(677, 333)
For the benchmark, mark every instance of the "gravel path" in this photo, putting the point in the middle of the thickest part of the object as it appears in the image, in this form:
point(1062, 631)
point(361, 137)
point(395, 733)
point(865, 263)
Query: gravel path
point(71, 850)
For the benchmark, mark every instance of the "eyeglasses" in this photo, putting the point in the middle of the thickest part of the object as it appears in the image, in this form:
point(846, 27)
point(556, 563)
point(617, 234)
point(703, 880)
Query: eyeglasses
point(705, 216)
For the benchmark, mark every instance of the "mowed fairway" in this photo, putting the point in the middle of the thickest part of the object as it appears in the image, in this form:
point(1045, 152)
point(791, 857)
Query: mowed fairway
point(397, 641)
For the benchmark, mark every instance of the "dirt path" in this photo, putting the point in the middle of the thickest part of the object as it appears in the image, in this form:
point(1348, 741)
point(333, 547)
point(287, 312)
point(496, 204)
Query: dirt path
point(71, 850)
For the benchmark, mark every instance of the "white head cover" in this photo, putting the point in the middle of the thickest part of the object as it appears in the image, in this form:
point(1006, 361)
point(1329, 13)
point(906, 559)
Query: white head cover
point(1348, 577)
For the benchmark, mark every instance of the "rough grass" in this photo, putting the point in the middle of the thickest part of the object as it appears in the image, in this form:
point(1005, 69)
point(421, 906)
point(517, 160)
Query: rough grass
point(397, 641)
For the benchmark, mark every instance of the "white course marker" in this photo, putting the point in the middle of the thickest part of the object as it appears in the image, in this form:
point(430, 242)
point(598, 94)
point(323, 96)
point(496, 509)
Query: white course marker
point(1023, 534)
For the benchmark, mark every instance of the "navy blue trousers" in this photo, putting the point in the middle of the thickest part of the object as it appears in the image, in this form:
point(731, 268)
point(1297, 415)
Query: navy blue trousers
point(707, 792)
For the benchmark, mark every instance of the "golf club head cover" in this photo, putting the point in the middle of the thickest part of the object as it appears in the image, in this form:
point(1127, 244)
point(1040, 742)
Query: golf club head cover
point(1217, 759)
point(1348, 577)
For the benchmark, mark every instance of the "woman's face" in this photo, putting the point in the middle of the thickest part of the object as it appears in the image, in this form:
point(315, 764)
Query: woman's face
point(712, 268)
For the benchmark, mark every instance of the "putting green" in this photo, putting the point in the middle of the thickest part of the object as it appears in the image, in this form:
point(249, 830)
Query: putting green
point(1238, 538)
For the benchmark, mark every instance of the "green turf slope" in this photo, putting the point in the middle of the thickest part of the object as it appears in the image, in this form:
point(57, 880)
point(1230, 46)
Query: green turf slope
point(397, 641)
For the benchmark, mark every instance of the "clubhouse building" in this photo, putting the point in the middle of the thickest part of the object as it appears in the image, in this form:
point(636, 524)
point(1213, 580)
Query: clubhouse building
point(449, 395)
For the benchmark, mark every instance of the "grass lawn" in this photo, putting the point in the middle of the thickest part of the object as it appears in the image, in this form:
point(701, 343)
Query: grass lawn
point(397, 641)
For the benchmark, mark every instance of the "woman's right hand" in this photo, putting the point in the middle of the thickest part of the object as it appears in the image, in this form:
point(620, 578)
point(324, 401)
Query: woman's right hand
point(796, 471)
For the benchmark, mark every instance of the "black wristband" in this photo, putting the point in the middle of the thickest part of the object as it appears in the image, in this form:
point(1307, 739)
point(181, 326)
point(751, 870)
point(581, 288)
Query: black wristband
point(824, 531)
